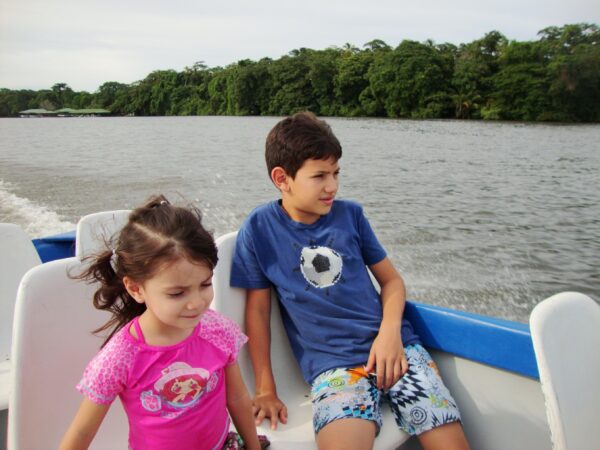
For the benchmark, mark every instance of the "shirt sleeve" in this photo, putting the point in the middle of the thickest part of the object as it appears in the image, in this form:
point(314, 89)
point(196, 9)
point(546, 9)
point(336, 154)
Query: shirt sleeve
point(106, 375)
point(223, 333)
point(245, 268)
point(372, 251)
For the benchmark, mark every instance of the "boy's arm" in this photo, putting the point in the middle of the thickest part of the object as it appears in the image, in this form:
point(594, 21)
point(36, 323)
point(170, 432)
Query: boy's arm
point(387, 356)
point(258, 329)
point(85, 425)
point(239, 406)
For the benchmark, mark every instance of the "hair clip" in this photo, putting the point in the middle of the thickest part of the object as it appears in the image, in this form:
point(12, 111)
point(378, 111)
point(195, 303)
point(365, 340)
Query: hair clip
point(160, 203)
point(114, 260)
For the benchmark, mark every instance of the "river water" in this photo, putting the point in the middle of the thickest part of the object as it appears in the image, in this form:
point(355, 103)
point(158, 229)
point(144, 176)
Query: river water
point(484, 217)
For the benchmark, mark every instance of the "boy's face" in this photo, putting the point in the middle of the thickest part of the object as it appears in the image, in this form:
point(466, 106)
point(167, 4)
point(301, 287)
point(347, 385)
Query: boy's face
point(310, 194)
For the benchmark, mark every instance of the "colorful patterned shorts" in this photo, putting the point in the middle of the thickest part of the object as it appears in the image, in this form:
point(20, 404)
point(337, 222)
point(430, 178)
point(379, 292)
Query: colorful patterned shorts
point(419, 400)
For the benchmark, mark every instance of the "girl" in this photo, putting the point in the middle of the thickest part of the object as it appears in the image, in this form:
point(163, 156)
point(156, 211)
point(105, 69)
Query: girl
point(170, 359)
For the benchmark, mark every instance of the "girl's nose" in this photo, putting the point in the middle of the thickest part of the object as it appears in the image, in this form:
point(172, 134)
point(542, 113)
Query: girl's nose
point(200, 300)
point(195, 302)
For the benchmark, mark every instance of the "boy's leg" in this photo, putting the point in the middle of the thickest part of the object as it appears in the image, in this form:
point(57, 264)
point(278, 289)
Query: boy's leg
point(423, 406)
point(346, 412)
point(347, 434)
point(445, 437)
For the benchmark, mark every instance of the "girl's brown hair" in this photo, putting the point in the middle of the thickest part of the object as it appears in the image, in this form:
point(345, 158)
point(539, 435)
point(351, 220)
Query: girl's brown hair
point(156, 234)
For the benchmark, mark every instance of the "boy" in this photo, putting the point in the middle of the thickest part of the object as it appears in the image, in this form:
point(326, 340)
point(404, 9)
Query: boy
point(315, 251)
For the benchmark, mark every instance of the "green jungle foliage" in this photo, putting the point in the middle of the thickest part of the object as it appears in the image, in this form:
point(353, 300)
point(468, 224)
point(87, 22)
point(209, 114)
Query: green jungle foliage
point(556, 78)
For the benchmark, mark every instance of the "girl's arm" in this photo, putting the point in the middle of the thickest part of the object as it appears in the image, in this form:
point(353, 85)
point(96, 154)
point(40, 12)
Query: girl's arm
point(239, 406)
point(387, 356)
point(85, 425)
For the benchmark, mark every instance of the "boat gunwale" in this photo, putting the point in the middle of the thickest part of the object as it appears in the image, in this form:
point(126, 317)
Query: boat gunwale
point(496, 342)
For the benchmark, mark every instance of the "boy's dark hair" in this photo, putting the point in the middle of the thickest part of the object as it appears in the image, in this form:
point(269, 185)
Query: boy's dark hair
point(156, 234)
point(298, 138)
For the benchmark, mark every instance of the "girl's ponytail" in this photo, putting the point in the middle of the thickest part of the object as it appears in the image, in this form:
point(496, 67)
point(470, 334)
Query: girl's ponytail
point(111, 295)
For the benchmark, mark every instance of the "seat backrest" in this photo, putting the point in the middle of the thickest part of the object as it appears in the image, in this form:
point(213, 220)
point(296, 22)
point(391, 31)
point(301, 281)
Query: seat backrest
point(230, 302)
point(17, 256)
point(291, 387)
point(52, 344)
point(565, 330)
point(95, 230)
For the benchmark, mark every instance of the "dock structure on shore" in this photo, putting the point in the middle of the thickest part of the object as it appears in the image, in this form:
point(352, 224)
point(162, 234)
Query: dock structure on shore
point(64, 112)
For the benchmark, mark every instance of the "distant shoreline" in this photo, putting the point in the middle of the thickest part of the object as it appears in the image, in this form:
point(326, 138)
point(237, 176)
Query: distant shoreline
point(553, 79)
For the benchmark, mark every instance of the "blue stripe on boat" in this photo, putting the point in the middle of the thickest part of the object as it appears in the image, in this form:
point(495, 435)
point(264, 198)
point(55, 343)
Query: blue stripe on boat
point(56, 247)
point(489, 340)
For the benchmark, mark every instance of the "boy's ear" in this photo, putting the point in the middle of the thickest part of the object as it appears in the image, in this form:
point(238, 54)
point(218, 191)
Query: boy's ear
point(134, 289)
point(280, 178)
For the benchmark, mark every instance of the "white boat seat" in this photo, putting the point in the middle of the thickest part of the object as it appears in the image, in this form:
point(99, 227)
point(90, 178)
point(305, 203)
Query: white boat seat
point(95, 230)
point(565, 330)
point(52, 344)
point(17, 256)
point(291, 387)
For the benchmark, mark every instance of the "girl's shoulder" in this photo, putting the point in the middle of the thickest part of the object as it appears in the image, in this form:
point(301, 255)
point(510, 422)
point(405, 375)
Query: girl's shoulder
point(120, 349)
point(109, 370)
point(213, 322)
point(222, 332)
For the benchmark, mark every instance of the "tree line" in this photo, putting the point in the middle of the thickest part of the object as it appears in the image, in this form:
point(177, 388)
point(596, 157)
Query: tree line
point(555, 78)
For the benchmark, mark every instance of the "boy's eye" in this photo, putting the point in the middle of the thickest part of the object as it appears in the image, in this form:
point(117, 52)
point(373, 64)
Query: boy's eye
point(207, 284)
point(175, 294)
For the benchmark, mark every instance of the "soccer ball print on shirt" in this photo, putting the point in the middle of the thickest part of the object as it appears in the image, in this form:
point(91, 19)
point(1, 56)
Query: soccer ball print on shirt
point(321, 266)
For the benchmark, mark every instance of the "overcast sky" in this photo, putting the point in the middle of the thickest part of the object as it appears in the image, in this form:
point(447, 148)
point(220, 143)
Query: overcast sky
point(86, 42)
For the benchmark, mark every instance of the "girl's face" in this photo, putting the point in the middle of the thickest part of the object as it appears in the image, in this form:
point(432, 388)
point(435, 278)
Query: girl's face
point(175, 297)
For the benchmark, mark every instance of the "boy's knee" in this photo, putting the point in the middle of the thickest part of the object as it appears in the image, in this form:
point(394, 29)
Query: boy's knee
point(347, 434)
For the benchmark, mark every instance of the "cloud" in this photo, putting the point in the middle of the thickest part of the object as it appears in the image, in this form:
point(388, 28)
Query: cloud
point(84, 43)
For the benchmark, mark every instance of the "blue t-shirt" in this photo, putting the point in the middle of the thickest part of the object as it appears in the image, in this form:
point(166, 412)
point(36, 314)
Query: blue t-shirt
point(330, 309)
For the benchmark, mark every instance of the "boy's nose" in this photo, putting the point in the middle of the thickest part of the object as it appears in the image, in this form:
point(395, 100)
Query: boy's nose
point(332, 185)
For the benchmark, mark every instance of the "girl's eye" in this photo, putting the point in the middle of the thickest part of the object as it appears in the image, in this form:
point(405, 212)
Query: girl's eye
point(207, 284)
point(175, 294)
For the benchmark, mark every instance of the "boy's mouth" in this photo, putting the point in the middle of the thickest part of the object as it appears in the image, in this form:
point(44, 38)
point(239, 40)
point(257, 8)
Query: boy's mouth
point(328, 201)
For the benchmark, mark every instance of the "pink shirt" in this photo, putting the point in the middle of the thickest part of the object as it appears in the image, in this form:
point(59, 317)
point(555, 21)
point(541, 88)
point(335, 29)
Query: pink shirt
point(174, 396)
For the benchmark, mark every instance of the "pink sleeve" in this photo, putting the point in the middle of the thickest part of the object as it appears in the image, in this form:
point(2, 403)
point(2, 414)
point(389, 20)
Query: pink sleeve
point(106, 374)
point(224, 333)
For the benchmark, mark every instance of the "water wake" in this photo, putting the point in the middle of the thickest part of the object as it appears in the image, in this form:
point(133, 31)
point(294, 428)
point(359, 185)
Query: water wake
point(37, 220)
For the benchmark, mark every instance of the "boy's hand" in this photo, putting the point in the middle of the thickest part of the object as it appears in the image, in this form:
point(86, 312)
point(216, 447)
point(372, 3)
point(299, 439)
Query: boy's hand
point(268, 405)
point(387, 357)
